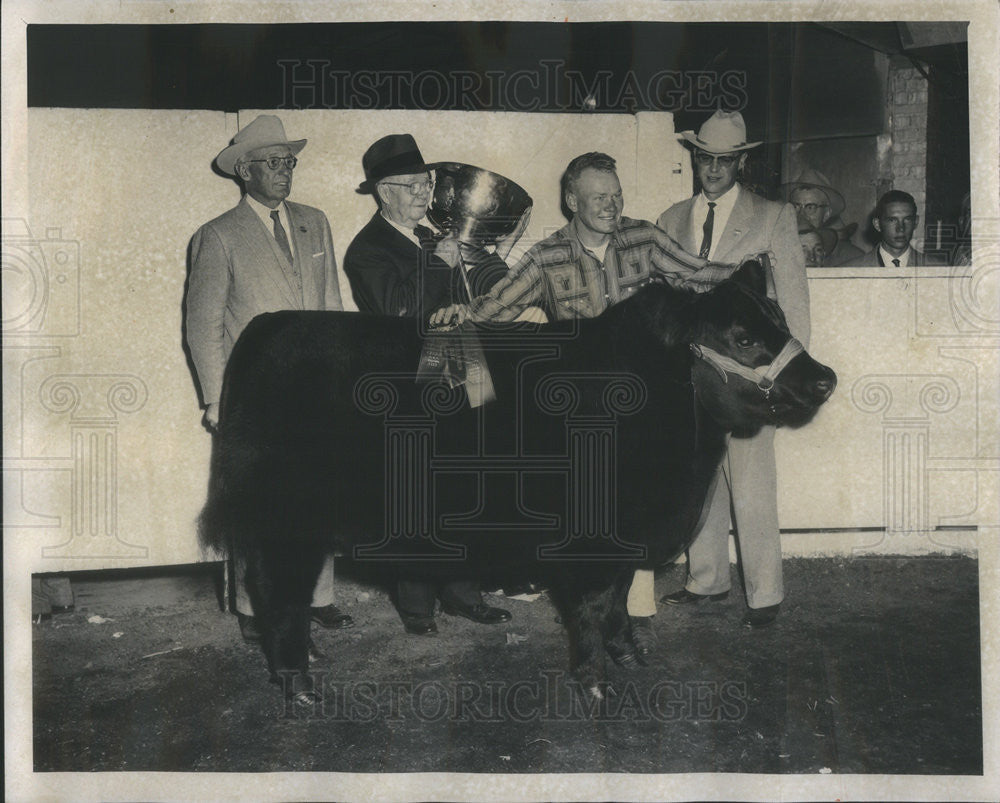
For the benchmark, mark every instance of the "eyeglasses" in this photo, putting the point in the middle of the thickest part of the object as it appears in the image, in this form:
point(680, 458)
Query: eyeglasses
point(810, 208)
point(415, 187)
point(705, 159)
point(274, 162)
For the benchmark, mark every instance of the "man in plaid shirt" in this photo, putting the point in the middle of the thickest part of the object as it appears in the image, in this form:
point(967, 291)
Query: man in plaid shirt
point(597, 259)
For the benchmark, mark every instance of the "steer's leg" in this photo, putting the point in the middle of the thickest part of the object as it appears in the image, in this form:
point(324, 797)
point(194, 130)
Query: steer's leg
point(585, 607)
point(615, 627)
point(281, 578)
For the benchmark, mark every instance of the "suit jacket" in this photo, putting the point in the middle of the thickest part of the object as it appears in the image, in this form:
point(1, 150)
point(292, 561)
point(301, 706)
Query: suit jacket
point(391, 275)
point(238, 271)
point(873, 259)
point(844, 253)
point(756, 226)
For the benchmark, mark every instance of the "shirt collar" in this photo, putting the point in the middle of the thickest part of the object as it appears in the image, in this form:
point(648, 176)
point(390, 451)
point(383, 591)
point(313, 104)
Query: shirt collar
point(904, 258)
point(725, 202)
point(407, 233)
point(264, 212)
point(569, 231)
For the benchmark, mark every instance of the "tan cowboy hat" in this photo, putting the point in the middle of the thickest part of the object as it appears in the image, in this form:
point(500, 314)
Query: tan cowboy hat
point(393, 155)
point(814, 180)
point(266, 130)
point(723, 132)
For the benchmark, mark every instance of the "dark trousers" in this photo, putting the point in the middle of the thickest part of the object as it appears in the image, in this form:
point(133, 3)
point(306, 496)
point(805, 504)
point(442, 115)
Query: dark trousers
point(416, 598)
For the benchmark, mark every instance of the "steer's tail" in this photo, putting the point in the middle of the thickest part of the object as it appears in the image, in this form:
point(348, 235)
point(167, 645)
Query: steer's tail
point(233, 513)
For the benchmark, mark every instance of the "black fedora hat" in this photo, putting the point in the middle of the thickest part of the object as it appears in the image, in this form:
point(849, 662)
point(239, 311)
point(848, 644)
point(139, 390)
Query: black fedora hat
point(393, 155)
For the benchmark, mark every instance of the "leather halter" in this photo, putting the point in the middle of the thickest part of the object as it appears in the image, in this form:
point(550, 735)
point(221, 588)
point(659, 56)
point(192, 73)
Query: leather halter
point(763, 377)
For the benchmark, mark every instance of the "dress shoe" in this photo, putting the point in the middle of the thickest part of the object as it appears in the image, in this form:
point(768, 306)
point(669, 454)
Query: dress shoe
point(643, 635)
point(331, 617)
point(419, 625)
point(761, 617)
point(685, 597)
point(248, 627)
point(477, 612)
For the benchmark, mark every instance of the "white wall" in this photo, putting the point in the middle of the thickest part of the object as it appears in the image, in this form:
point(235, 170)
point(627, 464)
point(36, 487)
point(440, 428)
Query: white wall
point(105, 460)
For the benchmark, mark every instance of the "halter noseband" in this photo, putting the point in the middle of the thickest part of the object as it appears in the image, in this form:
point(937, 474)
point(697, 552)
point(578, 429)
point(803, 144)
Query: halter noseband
point(763, 377)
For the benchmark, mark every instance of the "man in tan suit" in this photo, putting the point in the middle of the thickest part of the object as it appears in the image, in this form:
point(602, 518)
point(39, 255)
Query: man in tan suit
point(725, 222)
point(264, 255)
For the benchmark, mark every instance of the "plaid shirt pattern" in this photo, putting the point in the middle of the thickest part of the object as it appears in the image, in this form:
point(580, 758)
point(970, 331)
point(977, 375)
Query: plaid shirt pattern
point(560, 275)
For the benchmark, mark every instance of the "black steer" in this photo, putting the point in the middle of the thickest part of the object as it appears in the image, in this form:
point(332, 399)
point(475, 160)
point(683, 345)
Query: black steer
point(595, 458)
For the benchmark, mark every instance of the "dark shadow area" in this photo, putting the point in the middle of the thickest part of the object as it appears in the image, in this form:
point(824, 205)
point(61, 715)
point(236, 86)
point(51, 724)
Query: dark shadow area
point(872, 667)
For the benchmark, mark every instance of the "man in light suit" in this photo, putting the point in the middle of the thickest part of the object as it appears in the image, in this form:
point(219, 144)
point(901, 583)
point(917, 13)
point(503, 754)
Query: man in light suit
point(895, 220)
point(264, 255)
point(725, 222)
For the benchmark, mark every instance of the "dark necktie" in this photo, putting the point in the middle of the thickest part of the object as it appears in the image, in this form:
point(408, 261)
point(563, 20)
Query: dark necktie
point(895, 262)
point(706, 240)
point(280, 237)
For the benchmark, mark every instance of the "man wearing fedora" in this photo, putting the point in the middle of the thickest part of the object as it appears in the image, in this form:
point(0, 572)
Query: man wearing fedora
point(724, 222)
point(819, 206)
point(264, 255)
point(395, 268)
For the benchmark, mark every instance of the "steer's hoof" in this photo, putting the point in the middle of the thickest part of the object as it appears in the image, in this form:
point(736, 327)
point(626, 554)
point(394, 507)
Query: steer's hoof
point(597, 692)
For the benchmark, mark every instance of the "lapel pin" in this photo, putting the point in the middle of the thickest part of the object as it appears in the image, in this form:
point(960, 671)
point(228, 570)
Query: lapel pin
point(302, 229)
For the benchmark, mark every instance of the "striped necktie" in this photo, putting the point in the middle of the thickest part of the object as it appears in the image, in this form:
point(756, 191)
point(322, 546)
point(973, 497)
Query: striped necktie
point(706, 240)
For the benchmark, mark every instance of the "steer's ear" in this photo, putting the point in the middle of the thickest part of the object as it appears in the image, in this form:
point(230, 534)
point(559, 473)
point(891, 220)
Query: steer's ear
point(751, 274)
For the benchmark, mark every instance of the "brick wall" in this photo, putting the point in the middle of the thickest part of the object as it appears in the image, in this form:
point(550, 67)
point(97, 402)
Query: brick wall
point(908, 121)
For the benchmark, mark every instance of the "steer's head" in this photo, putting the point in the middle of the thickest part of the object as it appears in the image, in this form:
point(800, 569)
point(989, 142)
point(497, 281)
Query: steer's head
point(747, 369)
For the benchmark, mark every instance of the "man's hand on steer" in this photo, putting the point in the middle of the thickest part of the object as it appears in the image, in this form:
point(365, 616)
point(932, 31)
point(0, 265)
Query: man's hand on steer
point(452, 315)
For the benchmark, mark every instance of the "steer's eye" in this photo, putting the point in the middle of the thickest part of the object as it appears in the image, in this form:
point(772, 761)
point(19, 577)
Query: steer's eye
point(744, 342)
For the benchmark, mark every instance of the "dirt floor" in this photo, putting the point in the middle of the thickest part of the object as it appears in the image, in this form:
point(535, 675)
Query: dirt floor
point(872, 667)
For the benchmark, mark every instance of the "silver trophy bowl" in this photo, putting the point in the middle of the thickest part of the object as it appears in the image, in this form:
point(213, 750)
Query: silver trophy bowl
point(477, 205)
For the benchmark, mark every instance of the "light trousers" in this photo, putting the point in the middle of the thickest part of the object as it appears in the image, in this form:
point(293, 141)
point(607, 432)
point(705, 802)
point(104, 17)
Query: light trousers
point(748, 499)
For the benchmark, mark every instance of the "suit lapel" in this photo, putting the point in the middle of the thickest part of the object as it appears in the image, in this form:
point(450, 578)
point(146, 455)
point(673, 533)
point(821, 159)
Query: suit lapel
point(736, 227)
point(271, 262)
point(684, 227)
point(305, 243)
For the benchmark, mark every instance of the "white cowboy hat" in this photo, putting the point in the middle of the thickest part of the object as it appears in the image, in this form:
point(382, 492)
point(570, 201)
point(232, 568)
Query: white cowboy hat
point(264, 131)
point(723, 132)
